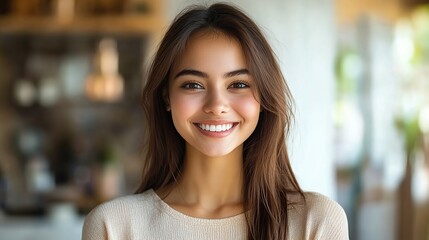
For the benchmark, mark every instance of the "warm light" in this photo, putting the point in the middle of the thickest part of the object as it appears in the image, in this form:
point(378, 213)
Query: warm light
point(424, 120)
point(403, 43)
point(65, 10)
point(105, 84)
point(107, 88)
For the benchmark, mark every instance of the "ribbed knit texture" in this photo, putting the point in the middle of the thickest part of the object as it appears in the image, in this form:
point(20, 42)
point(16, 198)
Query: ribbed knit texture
point(146, 216)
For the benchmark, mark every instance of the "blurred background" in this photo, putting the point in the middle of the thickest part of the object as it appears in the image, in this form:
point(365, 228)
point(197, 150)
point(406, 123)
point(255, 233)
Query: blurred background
point(71, 125)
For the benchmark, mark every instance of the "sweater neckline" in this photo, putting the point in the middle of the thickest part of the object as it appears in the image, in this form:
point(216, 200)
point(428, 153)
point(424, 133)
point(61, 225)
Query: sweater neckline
point(164, 207)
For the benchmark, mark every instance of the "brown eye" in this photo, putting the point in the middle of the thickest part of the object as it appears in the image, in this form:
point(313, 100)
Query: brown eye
point(192, 85)
point(239, 85)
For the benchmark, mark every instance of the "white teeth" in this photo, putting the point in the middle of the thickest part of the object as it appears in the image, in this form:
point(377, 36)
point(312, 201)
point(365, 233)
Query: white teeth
point(215, 128)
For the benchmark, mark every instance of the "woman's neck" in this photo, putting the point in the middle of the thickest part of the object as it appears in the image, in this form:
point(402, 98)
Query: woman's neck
point(209, 187)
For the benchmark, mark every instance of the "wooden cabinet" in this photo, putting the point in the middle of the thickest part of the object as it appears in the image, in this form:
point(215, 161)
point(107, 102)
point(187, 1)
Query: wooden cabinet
point(81, 16)
point(99, 24)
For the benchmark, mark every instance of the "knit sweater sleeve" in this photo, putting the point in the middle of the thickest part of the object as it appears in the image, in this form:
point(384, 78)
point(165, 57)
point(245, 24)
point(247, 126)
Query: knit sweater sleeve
point(95, 225)
point(326, 218)
point(114, 219)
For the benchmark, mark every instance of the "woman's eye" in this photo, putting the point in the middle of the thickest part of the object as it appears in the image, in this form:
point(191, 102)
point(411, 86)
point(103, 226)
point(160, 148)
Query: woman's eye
point(192, 85)
point(239, 85)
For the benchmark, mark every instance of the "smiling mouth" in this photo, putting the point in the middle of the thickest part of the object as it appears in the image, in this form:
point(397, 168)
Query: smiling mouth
point(215, 128)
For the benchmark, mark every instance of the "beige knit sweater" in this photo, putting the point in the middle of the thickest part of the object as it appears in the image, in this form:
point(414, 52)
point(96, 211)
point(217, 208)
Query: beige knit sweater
point(146, 216)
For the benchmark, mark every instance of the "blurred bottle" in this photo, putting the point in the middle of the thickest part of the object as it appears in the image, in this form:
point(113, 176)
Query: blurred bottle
point(49, 92)
point(25, 92)
point(105, 83)
point(108, 182)
point(64, 10)
point(39, 179)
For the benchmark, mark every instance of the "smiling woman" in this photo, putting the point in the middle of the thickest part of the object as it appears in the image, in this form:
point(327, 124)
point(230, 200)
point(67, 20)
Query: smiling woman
point(212, 88)
point(216, 165)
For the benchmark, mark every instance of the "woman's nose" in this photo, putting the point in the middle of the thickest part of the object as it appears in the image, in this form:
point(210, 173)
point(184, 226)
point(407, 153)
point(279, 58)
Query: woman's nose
point(216, 103)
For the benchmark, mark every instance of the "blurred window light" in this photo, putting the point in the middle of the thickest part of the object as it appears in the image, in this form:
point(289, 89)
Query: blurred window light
point(352, 66)
point(394, 169)
point(420, 20)
point(424, 120)
point(410, 103)
point(420, 181)
point(349, 69)
point(350, 125)
point(403, 43)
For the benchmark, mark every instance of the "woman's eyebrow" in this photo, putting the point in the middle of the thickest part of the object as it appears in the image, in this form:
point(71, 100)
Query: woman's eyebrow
point(204, 75)
point(236, 73)
point(191, 72)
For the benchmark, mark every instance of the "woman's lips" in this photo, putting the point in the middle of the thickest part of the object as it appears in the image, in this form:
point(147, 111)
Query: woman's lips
point(215, 127)
point(216, 130)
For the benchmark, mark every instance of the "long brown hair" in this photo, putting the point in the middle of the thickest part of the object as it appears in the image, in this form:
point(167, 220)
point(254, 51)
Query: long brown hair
point(268, 175)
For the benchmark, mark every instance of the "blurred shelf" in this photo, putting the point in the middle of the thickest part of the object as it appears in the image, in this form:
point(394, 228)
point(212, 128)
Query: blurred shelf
point(18, 228)
point(122, 24)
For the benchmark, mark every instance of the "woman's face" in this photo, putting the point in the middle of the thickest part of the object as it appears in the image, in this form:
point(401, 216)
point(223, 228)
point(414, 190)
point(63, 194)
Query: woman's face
point(212, 95)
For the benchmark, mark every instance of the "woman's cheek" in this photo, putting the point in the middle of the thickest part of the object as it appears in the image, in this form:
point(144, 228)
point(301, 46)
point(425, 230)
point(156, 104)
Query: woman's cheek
point(184, 104)
point(247, 106)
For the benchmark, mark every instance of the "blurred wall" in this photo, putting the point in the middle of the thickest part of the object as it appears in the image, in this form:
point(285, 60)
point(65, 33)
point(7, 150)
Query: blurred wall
point(302, 34)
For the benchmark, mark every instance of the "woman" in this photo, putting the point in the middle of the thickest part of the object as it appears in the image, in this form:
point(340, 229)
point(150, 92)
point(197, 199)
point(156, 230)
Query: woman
point(216, 166)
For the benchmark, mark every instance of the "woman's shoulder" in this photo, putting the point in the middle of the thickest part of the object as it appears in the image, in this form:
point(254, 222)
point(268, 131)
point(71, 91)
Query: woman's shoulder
point(124, 203)
point(319, 203)
point(320, 215)
point(110, 217)
point(313, 202)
